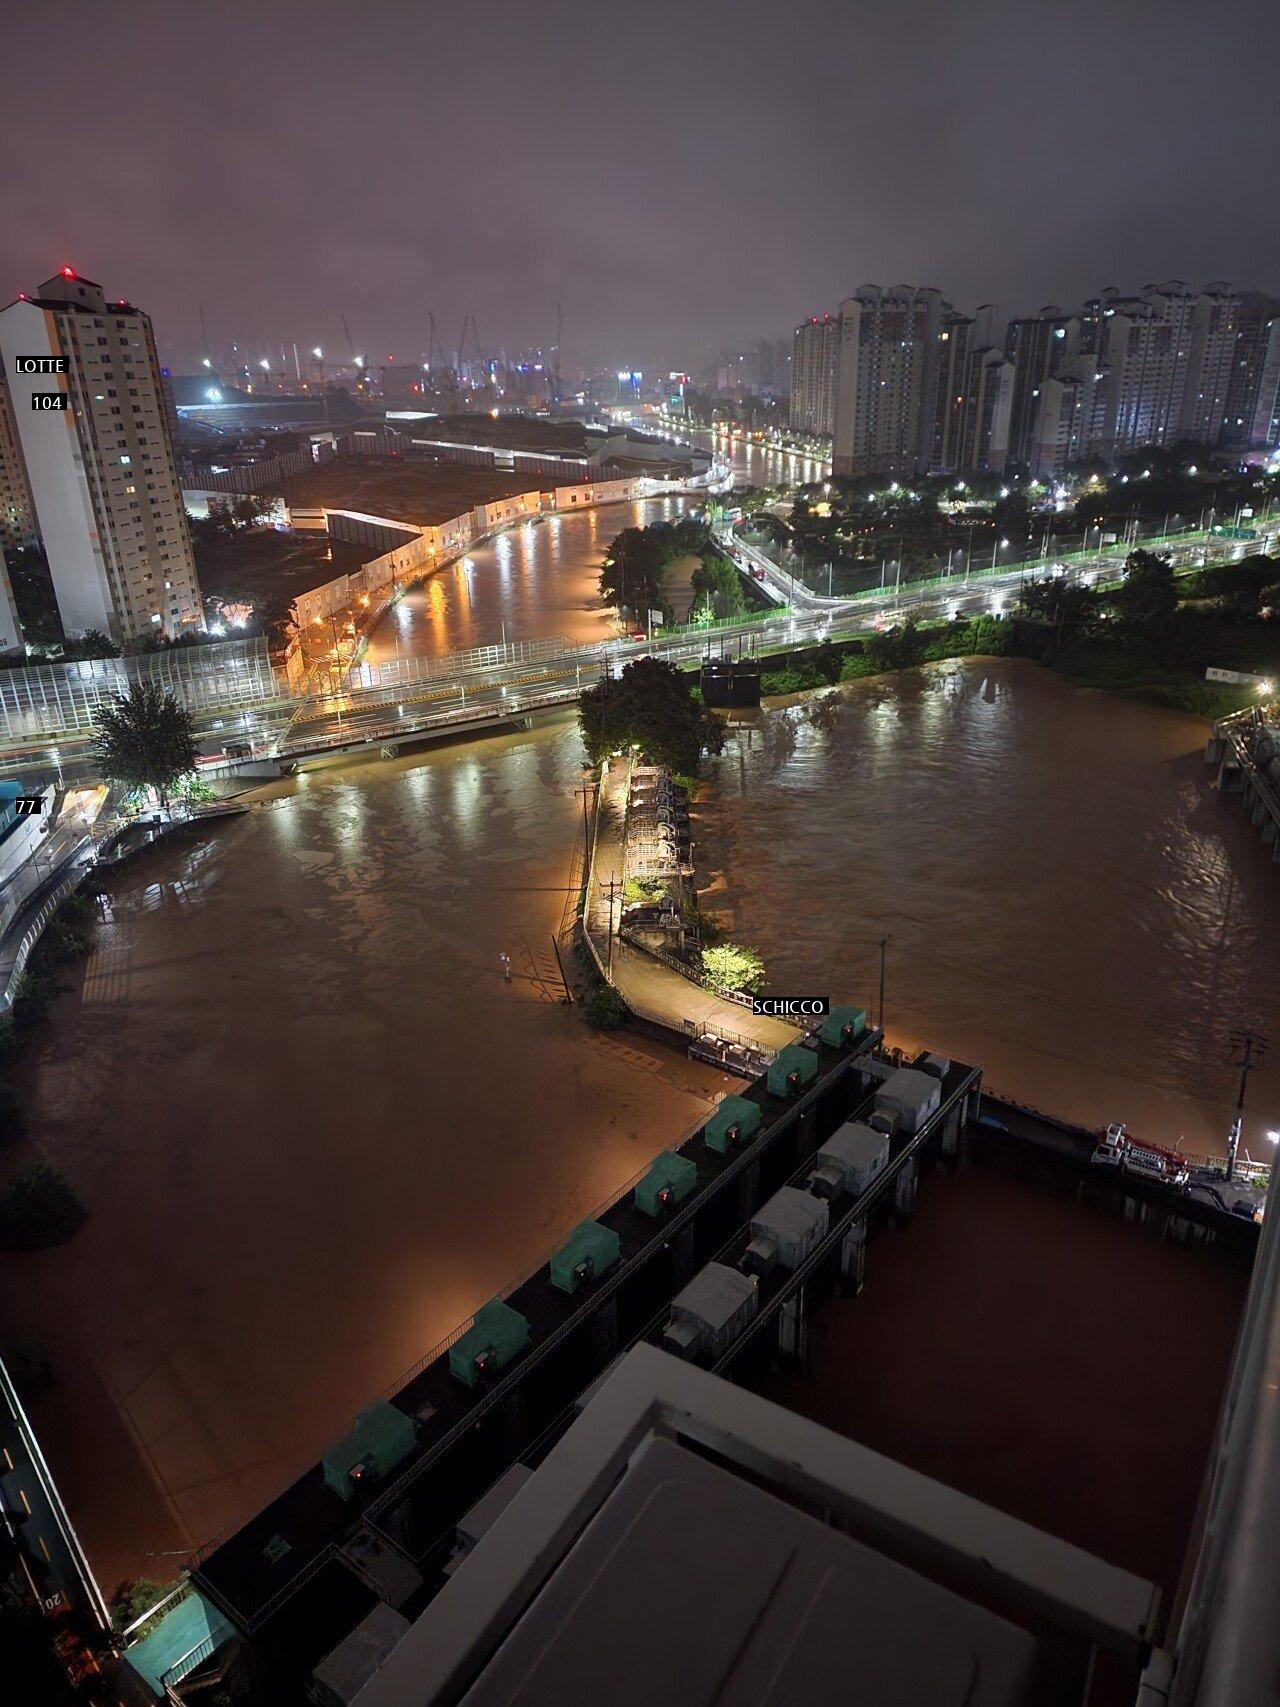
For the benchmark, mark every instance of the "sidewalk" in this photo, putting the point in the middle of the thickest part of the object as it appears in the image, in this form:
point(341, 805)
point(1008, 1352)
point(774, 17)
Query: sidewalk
point(650, 988)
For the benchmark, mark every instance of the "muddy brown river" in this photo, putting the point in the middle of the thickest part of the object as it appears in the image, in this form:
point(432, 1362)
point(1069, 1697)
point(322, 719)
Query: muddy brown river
point(315, 1127)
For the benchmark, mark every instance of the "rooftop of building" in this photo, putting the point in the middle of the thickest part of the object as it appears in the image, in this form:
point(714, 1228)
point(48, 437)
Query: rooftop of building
point(529, 434)
point(412, 490)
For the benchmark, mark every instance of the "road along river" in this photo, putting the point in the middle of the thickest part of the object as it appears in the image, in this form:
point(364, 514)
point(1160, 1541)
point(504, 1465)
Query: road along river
point(314, 1126)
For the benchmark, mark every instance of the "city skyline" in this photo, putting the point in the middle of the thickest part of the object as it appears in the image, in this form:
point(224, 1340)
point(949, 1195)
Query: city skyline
point(657, 209)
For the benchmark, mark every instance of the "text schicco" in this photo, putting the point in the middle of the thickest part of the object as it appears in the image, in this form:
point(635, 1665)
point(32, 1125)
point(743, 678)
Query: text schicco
point(791, 1007)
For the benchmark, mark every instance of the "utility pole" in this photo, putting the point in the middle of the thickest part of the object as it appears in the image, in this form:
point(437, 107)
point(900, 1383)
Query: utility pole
point(884, 942)
point(586, 828)
point(614, 885)
point(1252, 1046)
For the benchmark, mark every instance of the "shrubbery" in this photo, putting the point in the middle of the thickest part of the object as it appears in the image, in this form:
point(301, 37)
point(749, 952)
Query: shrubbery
point(605, 1008)
point(728, 966)
point(38, 1208)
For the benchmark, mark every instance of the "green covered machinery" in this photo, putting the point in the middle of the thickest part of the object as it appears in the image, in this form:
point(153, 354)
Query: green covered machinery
point(382, 1438)
point(670, 1178)
point(843, 1026)
point(493, 1339)
point(733, 1122)
point(589, 1250)
point(790, 1070)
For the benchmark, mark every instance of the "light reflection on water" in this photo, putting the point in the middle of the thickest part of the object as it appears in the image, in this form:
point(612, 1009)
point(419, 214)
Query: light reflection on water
point(1067, 899)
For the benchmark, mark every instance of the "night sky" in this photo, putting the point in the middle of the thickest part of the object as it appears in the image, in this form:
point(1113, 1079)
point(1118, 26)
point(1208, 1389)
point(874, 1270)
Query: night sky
point(683, 178)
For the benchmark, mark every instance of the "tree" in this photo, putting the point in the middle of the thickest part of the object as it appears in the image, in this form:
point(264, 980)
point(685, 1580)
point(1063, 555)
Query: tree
point(1070, 610)
point(92, 644)
point(1147, 595)
point(717, 587)
point(653, 707)
point(136, 1595)
point(39, 1208)
point(144, 739)
point(728, 966)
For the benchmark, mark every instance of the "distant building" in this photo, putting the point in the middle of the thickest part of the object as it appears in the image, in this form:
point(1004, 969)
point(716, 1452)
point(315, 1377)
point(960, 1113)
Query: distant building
point(814, 349)
point(1266, 398)
point(886, 379)
point(97, 461)
point(17, 518)
point(1039, 346)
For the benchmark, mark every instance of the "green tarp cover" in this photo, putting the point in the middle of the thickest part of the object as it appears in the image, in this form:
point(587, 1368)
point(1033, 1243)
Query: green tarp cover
point(669, 1170)
point(833, 1027)
point(191, 1622)
point(733, 1111)
point(381, 1433)
point(600, 1246)
point(498, 1329)
point(792, 1059)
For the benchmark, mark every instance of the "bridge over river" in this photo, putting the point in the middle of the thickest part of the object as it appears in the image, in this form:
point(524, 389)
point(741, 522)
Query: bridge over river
point(247, 721)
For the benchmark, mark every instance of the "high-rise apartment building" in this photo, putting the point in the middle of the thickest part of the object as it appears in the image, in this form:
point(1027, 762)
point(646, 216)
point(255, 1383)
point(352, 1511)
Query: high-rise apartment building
point(886, 379)
point(17, 520)
point(87, 414)
point(1266, 397)
point(920, 387)
point(973, 397)
point(814, 350)
point(1039, 346)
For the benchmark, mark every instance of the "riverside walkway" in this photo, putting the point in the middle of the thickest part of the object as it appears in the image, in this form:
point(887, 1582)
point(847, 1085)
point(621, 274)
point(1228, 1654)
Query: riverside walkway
point(652, 989)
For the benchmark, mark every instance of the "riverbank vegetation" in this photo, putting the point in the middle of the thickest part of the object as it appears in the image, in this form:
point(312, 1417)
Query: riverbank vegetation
point(145, 740)
point(846, 533)
point(633, 575)
point(654, 708)
point(1153, 634)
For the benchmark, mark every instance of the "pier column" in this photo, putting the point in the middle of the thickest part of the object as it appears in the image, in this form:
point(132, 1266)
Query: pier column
point(793, 1327)
point(604, 1334)
point(682, 1258)
point(805, 1141)
point(748, 1191)
point(853, 1258)
point(904, 1193)
point(951, 1129)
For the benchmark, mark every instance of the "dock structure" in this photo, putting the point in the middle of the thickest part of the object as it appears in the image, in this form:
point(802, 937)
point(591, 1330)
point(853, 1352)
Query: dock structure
point(723, 1259)
point(1246, 751)
point(301, 1564)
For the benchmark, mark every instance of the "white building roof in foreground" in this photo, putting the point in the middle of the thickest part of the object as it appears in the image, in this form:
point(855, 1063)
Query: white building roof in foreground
point(672, 1548)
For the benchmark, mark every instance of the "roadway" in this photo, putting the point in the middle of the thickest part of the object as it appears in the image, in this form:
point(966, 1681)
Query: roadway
point(469, 693)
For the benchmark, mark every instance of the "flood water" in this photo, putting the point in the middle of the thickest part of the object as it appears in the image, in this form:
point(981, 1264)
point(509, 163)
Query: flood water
point(754, 465)
point(529, 583)
point(1066, 898)
point(315, 1127)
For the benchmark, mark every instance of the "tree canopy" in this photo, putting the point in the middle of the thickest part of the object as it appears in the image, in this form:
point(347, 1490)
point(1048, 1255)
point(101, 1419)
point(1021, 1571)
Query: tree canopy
point(1147, 595)
point(144, 739)
point(653, 707)
point(631, 575)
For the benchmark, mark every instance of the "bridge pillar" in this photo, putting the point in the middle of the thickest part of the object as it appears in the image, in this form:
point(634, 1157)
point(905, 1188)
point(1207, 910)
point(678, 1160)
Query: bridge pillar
point(904, 1192)
point(951, 1133)
point(682, 1258)
point(853, 1258)
point(793, 1327)
point(604, 1334)
point(805, 1141)
point(748, 1191)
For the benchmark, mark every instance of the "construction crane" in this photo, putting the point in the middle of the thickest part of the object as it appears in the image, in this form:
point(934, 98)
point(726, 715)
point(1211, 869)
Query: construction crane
point(555, 371)
point(356, 361)
point(444, 381)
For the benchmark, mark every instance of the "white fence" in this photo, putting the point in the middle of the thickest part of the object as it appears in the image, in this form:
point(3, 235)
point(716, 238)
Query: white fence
point(41, 700)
